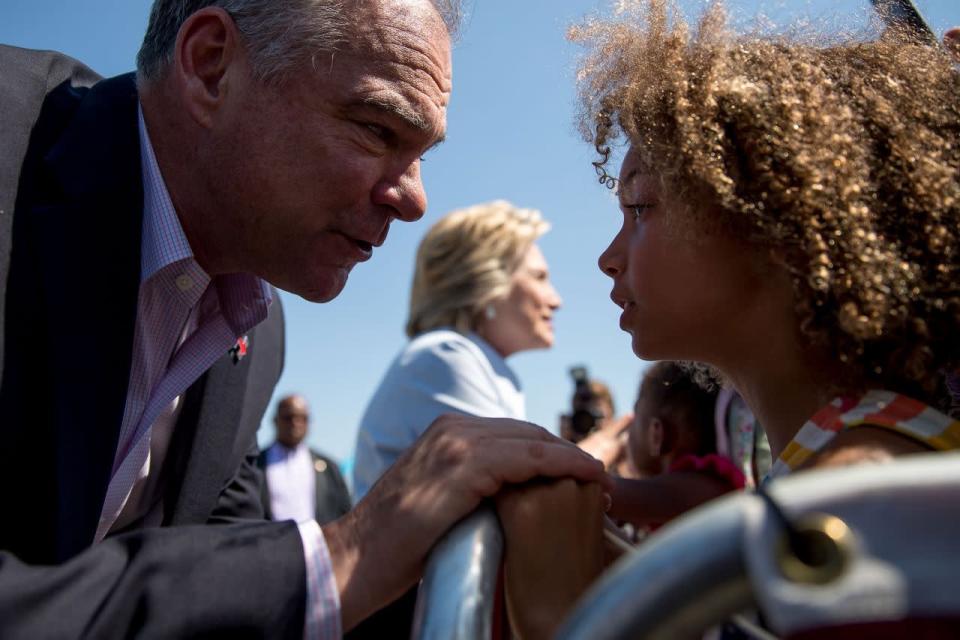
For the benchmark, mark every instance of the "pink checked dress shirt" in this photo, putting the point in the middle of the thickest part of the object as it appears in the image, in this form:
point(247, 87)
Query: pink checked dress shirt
point(185, 322)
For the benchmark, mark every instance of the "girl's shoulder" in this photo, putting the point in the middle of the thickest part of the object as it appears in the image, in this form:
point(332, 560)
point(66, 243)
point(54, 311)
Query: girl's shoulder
point(876, 426)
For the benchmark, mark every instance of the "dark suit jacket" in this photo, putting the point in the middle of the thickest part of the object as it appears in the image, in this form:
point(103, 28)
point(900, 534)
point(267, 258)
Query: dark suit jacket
point(70, 224)
point(333, 497)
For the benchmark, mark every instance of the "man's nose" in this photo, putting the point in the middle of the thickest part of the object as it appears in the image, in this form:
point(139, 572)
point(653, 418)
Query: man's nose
point(403, 193)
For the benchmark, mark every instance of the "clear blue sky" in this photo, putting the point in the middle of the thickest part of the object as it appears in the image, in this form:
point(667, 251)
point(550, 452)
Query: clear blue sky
point(511, 135)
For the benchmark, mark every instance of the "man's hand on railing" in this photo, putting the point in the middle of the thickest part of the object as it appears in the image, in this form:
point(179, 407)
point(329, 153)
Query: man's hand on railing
point(554, 545)
point(378, 549)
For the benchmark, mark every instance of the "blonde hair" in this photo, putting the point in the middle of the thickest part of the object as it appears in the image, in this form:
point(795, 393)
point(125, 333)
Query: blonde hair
point(841, 158)
point(466, 261)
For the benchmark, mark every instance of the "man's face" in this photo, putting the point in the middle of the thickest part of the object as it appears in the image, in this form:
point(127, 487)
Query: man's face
point(292, 421)
point(314, 171)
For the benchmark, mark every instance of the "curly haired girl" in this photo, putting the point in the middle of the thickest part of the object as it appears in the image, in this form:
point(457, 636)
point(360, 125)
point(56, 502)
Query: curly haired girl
point(791, 220)
point(791, 215)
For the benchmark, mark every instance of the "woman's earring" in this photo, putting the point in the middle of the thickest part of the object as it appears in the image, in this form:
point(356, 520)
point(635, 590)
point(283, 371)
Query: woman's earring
point(490, 313)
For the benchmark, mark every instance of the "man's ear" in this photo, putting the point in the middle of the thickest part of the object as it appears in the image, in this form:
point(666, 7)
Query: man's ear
point(207, 50)
point(655, 437)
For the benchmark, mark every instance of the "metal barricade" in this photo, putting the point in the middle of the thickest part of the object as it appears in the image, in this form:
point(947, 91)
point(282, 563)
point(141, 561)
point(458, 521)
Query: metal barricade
point(897, 536)
point(458, 591)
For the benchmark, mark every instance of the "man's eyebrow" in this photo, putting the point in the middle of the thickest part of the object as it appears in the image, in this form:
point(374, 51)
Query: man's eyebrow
point(408, 115)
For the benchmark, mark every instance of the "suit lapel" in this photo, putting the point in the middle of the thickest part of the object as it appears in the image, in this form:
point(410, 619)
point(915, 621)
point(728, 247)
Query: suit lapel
point(219, 421)
point(89, 239)
point(204, 442)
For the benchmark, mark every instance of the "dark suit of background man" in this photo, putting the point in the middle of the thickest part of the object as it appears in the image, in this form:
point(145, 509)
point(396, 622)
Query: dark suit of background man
point(140, 220)
point(301, 484)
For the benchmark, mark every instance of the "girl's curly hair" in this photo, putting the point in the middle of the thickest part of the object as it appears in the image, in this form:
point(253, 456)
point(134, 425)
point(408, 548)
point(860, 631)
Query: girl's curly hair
point(840, 159)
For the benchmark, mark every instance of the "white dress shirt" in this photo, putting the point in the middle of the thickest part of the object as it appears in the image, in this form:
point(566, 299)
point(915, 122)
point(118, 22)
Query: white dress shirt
point(292, 482)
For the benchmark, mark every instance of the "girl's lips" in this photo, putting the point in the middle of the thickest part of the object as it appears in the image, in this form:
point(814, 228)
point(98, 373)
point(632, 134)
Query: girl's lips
point(627, 307)
point(619, 299)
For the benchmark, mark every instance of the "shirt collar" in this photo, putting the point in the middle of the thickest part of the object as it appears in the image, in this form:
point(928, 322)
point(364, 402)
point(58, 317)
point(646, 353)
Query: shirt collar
point(244, 298)
point(163, 241)
point(497, 361)
point(280, 451)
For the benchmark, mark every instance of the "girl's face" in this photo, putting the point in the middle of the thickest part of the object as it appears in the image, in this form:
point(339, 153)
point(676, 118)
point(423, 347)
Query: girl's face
point(686, 293)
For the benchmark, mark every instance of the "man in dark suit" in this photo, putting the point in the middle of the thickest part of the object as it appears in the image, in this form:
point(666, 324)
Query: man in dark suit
point(141, 219)
point(301, 484)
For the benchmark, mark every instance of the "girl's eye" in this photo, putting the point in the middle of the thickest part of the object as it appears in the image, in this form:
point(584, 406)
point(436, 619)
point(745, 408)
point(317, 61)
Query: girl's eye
point(637, 209)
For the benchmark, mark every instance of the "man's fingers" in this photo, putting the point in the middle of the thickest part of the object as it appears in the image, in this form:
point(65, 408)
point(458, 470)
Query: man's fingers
point(501, 428)
point(520, 462)
point(480, 455)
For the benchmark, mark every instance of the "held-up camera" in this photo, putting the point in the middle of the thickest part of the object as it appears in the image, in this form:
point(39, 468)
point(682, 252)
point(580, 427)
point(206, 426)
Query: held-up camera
point(586, 413)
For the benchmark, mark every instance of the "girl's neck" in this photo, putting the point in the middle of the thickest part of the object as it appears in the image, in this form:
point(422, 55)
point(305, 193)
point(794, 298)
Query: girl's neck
point(772, 365)
point(782, 396)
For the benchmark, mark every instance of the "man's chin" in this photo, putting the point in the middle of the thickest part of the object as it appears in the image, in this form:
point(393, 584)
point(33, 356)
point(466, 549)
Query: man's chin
point(322, 295)
point(318, 297)
point(322, 289)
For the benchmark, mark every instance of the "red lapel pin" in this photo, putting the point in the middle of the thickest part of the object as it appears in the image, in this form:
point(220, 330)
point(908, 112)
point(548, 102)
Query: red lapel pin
point(239, 350)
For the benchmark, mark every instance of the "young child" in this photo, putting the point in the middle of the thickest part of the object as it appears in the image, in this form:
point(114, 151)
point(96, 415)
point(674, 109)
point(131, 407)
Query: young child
point(672, 446)
point(673, 420)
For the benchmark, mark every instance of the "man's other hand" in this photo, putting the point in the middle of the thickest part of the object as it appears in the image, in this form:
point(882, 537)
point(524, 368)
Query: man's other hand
point(378, 550)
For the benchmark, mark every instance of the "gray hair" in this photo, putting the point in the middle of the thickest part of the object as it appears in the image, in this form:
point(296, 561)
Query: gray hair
point(278, 35)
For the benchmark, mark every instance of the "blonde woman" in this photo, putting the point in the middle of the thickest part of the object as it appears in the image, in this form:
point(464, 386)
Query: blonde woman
point(481, 292)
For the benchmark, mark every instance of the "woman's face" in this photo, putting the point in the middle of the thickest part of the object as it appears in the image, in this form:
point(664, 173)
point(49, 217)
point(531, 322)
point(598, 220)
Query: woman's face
point(524, 319)
point(684, 292)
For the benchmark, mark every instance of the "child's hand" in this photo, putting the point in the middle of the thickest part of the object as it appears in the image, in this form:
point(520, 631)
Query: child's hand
point(554, 550)
point(608, 443)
